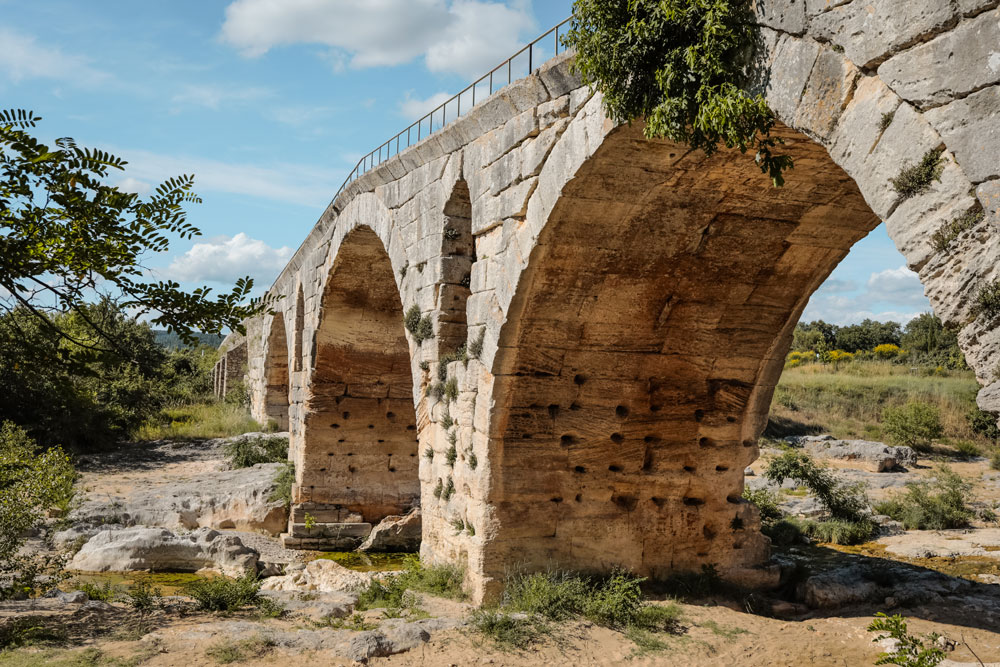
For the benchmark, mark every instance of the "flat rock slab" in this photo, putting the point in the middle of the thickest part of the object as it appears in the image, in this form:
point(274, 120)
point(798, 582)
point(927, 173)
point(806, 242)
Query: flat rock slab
point(983, 542)
point(319, 575)
point(874, 456)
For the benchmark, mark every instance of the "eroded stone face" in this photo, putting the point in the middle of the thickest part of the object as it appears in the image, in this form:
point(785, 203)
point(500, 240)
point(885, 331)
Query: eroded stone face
point(625, 304)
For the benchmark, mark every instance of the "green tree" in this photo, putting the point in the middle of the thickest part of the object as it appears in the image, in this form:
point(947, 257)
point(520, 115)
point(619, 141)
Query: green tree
point(682, 65)
point(868, 335)
point(914, 425)
point(65, 234)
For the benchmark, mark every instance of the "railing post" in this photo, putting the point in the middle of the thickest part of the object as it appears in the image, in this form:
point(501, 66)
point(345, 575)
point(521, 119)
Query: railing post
point(531, 54)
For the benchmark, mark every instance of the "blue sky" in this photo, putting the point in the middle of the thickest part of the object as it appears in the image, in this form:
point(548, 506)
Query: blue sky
point(270, 103)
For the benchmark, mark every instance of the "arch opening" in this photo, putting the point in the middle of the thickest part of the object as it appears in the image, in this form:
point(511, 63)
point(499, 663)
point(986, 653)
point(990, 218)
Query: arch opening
point(654, 314)
point(457, 256)
point(277, 388)
point(359, 461)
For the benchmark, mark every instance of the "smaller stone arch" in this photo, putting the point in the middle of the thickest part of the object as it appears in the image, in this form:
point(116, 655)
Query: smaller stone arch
point(276, 374)
point(300, 324)
point(457, 257)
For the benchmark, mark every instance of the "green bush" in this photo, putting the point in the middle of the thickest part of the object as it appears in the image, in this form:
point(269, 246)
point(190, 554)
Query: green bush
point(784, 533)
point(508, 632)
point(105, 592)
point(995, 459)
point(844, 502)
point(248, 451)
point(966, 449)
point(839, 532)
point(983, 423)
point(914, 425)
point(987, 301)
point(909, 651)
point(224, 594)
point(553, 595)
point(32, 481)
point(767, 504)
point(936, 505)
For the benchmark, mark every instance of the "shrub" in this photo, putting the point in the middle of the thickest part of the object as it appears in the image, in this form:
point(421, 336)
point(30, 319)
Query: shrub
point(844, 502)
point(104, 593)
point(32, 481)
point(452, 454)
point(909, 651)
point(983, 423)
point(615, 603)
point(476, 346)
point(839, 532)
point(936, 505)
point(553, 595)
point(248, 451)
point(223, 594)
point(966, 449)
point(914, 424)
point(995, 459)
point(767, 504)
point(505, 630)
point(228, 651)
point(886, 120)
point(914, 179)
point(987, 301)
point(886, 351)
point(283, 482)
point(784, 533)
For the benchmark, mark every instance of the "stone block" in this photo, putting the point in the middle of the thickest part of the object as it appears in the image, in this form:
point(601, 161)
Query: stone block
point(872, 30)
point(950, 65)
point(557, 75)
point(971, 129)
point(793, 62)
point(784, 15)
point(827, 91)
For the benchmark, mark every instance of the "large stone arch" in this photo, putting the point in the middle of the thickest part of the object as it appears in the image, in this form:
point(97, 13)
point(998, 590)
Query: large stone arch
point(558, 194)
point(357, 459)
point(276, 373)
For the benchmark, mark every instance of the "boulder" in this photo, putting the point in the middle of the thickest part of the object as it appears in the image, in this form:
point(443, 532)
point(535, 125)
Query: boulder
point(395, 533)
point(229, 499)
point(390, 639)
point(875, 456)
point(159, 550)
point(837, 588)
point(320, 575)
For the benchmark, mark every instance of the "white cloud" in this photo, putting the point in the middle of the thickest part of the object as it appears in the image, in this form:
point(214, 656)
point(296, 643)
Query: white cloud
point(224, 259)
point(214, 96)
point(299, 184)
point(465, 36)
point(414, 108)
point(23, 58)
point(129, 184)
point(891, 294)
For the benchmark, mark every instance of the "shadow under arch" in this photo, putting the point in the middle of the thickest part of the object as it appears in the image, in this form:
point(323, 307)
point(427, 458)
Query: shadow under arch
point(359, 461)
point(276, 374)
point(640, 352)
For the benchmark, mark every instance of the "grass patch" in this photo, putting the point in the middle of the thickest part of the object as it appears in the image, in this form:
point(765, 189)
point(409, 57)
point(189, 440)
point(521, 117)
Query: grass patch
point(248, 451)
point(283, 482)
point(729, 632)
point(227, 652)
point(199, 421)
point(105, 592)
point(932, 505)
point(395, 592)
point(532, 601)
point(224, 594)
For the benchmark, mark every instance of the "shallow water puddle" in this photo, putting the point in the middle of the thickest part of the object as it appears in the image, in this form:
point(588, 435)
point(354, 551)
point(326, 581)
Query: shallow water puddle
point(367, 562)
point(169, 583)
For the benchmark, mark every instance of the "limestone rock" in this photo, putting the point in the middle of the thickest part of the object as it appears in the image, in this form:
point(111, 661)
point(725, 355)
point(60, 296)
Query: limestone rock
point(230, 499)
point(395, 533)
point(981, 542)
point(320, 575)
point(159, 550)
point(390, 639)
point(971, 128)
point(838, 588)
point(876, 456)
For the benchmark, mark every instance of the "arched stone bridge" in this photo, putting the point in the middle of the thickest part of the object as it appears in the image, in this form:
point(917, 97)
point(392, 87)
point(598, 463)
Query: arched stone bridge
point(620, 307)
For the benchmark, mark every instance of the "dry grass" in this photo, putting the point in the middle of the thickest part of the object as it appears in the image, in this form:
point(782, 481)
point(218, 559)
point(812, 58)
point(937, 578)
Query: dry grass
point(848, 401)
point(199, 421)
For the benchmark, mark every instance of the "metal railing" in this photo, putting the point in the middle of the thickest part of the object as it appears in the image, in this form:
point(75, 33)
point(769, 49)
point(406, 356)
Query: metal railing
point(424, 127)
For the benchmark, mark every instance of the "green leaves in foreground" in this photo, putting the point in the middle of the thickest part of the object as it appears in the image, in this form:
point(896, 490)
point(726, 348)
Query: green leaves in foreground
point(66, 234)
point(683, 66)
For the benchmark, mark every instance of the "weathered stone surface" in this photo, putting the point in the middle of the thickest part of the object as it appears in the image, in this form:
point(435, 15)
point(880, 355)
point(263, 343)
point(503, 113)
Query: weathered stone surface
point(320, 575)
point(237, 499)
point(395, 533)
point(159, 550)
point(784, 15)
point(981, 542)
point(877, 456)
point(971, 128)
point(838, 588)
point(826, 93)
point(871, 30)
point(951, 65)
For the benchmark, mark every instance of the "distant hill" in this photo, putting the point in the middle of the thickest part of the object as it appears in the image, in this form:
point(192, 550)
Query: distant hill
point(172, 341)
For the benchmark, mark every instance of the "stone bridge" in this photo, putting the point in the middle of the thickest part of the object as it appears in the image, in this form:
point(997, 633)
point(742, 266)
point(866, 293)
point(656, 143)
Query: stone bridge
point(560, 339)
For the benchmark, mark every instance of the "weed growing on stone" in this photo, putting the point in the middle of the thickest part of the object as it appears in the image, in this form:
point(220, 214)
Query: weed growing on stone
point(476, 346)
point(452, 454)
point(446, 419)
point(429, 453)
point(950, 231)
point(421, 328)
point(472, 459)
point(886, 120)
point(450, 234)
point(438, 488)
point(283, 484)
point(451, 389)
point(915, 179)
point(988, 301)
point(449, 489)
point(404, 268)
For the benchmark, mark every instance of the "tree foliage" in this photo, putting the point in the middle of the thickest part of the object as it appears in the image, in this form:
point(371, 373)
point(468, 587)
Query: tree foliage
point(66, 235)
point(682, 65)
